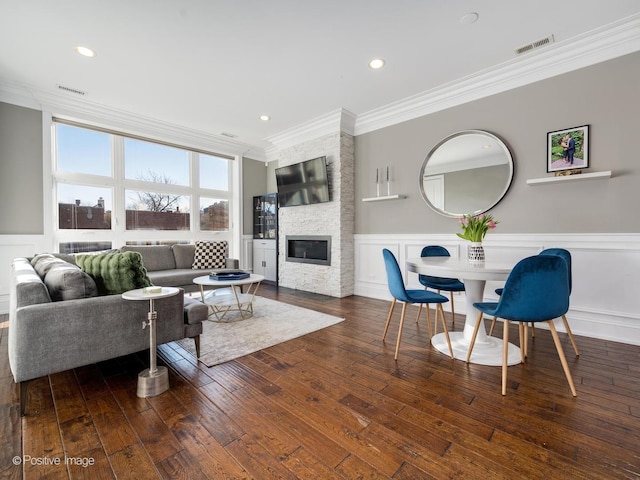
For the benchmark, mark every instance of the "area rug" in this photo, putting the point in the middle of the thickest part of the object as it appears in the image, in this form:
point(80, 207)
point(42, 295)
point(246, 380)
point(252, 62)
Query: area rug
point(272, 323)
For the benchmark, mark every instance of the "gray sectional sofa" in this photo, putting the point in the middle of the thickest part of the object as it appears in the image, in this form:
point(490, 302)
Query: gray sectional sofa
point(57, 322)
point(172, 265)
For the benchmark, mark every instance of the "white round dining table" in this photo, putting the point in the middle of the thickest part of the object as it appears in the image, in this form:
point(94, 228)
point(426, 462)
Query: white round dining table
point(487, 350)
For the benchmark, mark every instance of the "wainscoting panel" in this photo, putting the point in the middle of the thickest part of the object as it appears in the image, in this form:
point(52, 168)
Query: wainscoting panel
point(605, 302)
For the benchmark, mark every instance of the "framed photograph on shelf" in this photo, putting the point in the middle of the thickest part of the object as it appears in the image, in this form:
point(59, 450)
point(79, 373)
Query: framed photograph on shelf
point(568, 149)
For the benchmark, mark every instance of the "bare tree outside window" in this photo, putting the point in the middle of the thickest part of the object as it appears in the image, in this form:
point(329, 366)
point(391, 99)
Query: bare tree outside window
point(154, 201)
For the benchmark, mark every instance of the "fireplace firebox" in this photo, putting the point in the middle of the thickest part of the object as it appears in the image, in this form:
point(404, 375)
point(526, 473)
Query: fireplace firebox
point(314, 249)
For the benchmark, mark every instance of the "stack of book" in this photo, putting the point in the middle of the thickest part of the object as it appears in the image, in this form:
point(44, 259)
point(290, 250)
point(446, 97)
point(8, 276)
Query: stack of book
point(228, 274)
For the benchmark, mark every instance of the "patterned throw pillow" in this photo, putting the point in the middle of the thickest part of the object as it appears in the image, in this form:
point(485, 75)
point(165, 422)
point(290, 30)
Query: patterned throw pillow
point(210, 255)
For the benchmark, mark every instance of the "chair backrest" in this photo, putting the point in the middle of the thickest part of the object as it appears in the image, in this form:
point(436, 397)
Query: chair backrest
point(560, 252)
point(536, 290)
point(435, 251)
point(394, 276)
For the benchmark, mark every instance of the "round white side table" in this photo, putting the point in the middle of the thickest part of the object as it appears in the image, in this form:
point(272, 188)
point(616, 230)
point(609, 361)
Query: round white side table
point(154, 380)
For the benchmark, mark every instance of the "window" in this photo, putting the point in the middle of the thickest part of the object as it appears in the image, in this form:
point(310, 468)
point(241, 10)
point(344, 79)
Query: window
point(82, 207)
point(83, 151)
point(111, 190)
point(214, 214)
point(147, 210)
point(150, 162)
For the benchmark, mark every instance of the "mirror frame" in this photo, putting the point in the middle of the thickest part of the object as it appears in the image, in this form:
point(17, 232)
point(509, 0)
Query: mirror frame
point(509, 181)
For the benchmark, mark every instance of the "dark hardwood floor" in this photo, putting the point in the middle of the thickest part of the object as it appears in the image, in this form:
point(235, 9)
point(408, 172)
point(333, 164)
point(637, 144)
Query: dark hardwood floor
point(333, 404)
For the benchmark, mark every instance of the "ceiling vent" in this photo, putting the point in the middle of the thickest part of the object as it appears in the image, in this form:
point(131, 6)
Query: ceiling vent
point(71, 90)
point(533, 45)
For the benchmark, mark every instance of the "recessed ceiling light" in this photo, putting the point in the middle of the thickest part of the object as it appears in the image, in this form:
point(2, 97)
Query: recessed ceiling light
point(265, 118)
point(376, 63)
point(469, 18)
point(85, 52)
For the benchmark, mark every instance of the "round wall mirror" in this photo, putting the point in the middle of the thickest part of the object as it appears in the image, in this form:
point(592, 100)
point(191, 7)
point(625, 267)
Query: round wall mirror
point(467, 173)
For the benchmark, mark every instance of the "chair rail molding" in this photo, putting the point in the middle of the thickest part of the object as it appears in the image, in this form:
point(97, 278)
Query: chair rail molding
point(600, 305)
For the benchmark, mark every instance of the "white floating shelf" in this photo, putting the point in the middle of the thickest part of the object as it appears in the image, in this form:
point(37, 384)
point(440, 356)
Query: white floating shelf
point(379, 199)
point(570, 178)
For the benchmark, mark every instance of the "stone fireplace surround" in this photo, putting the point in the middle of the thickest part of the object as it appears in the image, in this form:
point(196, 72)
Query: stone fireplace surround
point(335, 218)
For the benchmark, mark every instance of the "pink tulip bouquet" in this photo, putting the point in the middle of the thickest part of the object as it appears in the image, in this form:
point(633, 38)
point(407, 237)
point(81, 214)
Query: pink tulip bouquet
point(474, 228)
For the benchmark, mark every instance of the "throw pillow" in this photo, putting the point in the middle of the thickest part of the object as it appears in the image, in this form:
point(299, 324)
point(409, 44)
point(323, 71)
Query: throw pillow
point(115, 273)
point(43, 262)
point(209, 255)
point(67, 282)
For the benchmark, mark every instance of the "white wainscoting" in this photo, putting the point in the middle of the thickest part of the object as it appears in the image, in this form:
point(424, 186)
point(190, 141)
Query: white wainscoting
point(605, 300)
point(12, 246)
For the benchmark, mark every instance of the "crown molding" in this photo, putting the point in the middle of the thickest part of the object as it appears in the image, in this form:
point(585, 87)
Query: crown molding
point(340, 120)
point(601, 44)
point(63, 106)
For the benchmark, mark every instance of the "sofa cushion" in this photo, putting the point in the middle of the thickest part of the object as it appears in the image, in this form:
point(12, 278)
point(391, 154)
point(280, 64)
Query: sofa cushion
point(154, 257)
point(68, 282)
point(115, 273)
point(184, 253)
point(210, 255)
point(179, 277)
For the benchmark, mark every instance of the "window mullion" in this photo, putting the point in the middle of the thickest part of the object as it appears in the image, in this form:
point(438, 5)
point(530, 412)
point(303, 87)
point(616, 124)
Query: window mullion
point(119, 217)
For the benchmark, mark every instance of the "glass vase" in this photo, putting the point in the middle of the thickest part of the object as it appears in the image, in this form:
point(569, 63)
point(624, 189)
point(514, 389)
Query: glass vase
point(475, 252)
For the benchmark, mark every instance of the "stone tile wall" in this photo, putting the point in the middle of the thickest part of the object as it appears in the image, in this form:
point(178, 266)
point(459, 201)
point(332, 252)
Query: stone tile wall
point(335, 218)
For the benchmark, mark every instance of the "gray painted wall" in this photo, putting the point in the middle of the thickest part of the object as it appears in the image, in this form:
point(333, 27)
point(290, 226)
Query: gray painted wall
point(254, 182)
point(605, 96)
point(21, 201)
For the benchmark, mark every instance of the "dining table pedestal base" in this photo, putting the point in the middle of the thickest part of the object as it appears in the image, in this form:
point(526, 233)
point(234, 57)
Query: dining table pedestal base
point(486, 352)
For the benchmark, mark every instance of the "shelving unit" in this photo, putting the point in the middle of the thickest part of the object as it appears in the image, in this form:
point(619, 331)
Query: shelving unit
point(265, 236)
point(570, 178)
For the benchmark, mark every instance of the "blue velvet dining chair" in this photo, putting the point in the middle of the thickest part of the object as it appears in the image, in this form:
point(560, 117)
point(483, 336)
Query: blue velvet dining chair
point(399, 292)
point(440, 283)
point(566, 256)
point(536, 290)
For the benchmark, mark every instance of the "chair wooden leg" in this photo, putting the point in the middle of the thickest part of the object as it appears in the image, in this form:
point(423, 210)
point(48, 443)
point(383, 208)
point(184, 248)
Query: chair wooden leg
point(453, 311)
point(386, 327)
point(404, 310)
point(570, 333)
point(444, 326)
point(525, 347)
point(419, 311)
point(533, 330)
point(429, 329)
point(521, 327)
point(563, 359)
point(493, 325)
point(505, 354)
point(473, 337)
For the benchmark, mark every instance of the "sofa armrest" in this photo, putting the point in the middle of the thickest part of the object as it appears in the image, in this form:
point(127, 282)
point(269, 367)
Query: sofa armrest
point(58, 336)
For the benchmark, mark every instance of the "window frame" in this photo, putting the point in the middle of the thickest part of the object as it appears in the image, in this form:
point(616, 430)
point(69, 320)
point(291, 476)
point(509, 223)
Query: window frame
point(118, 235)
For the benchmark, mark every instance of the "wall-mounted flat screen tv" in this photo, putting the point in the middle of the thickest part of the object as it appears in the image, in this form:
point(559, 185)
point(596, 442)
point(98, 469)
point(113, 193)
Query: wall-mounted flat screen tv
point(303, 183)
